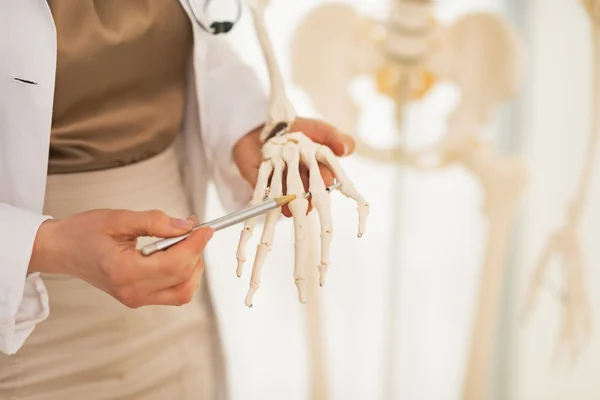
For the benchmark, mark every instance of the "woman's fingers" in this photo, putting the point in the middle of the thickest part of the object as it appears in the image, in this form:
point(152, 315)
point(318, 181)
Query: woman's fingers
point(99, 247)
point(174, 272)
point(133, 278)
point(173, 261)
point(154, 223)
point(327, 174)
point(326, 134)
point(182, 293)
point(328, 179)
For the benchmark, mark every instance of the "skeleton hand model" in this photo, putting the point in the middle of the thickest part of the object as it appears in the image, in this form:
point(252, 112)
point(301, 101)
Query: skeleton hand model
point(576, 326)
point(479, 53)
point(287, 152)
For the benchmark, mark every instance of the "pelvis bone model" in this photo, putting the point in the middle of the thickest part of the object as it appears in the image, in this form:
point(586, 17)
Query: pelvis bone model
point(481, 54)
point(288, 150)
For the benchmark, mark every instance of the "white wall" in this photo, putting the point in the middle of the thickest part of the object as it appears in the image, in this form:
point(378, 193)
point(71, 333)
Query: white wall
point(557, 118)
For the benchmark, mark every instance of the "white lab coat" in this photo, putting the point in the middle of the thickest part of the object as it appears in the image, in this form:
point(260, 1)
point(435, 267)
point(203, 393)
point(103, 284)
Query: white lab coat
point(225, 101)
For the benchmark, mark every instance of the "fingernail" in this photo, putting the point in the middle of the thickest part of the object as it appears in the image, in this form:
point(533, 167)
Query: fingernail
point(209, 234)
point(183, 224)
point(346, 148)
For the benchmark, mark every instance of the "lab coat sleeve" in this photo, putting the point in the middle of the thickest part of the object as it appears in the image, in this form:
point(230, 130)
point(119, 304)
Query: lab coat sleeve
point(233, 102)
point(23, 298)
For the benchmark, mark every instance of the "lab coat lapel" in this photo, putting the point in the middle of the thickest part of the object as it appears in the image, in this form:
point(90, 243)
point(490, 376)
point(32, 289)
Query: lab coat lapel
point(28, 39)
point(194, 168)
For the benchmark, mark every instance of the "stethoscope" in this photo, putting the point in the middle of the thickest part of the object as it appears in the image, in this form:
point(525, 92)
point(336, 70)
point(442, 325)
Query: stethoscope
point(216, 27)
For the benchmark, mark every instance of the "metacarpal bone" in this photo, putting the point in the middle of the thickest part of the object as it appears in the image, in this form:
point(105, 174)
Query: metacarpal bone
point(262, 182)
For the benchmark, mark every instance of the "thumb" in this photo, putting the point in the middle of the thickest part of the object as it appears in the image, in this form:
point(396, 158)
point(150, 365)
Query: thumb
point(197, 241)
point(328, 135)
point(340, 143)
point(153, 223)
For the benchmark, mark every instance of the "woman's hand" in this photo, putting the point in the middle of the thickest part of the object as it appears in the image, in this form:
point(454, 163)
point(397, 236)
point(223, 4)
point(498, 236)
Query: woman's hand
point(99, 247)
point(247, 155)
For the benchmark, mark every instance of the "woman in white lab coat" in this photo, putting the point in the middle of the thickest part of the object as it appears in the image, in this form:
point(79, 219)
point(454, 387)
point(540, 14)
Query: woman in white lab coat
point(114, 116)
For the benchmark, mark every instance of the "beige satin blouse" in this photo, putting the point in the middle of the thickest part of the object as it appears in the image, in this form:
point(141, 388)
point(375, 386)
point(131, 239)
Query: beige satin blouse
point(120, 81)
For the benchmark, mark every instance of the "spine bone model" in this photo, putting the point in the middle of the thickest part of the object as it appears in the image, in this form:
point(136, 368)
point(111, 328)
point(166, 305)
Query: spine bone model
point(482, 56)
point(288, 151)
point(407, 47)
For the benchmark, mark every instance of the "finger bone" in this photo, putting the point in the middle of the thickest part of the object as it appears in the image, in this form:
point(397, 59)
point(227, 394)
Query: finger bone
point(298, 207)
point(326, 156)
point(264, 247)
point(262, 181)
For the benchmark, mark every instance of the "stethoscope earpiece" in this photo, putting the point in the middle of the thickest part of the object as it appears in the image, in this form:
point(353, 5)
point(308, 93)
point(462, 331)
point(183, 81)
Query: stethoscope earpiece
point(217, 27)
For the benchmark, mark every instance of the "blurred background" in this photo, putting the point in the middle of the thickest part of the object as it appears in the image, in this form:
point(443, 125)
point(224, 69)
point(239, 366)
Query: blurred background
point(398, 306)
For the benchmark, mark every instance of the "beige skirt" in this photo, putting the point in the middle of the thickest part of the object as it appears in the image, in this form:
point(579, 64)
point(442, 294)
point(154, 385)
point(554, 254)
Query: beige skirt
point(93, 347)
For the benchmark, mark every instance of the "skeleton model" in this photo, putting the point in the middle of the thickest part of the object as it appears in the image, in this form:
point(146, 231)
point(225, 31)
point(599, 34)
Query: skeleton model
point(479, 53)
point(576, 326)
point(289, 150)
point(281, 151)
